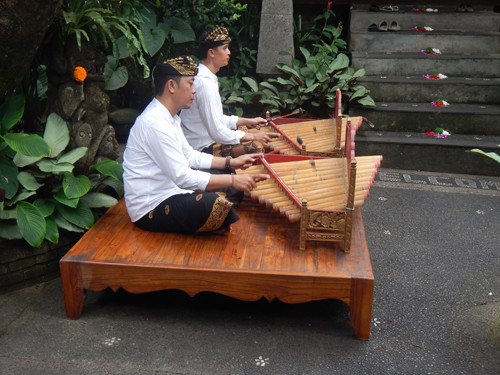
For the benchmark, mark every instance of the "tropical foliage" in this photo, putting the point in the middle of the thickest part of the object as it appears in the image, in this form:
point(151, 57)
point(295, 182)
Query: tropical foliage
point(310, 80)
point(39, 191)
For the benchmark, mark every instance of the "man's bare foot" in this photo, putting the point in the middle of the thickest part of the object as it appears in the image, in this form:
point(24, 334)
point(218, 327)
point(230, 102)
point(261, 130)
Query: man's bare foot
point(224, 231)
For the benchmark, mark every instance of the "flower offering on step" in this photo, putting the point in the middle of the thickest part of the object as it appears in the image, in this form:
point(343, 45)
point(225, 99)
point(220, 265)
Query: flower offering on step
point(438, 133)
point(430, 51)
point(422, 28)
point(434, 76)
point(440, 103)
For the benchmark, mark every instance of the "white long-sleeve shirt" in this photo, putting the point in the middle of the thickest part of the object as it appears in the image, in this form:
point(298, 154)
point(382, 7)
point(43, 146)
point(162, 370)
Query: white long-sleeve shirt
point(204, 123)
point(157, 162)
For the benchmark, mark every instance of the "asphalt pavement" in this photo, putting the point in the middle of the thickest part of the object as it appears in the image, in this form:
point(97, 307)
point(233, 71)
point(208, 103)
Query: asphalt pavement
point(434, 242)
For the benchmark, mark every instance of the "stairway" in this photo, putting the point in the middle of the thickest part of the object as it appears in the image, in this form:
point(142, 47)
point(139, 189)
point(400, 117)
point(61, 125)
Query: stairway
point(470, 57)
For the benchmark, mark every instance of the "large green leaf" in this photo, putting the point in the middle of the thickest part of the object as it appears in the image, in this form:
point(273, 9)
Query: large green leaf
point(367, 100)
point(56, 134)
point(110, 168)
point(154, 39)
point(115, 184)
point(288, 70)
point(23, 160)
point(51, 232)
point(11, 110)
point(96, 200)
point(65, 224)
point(148, 18)
point(180, 30)
point(46, 165)
point(124, 49)
point(45, 206)
point(305, 52)
point(8, 177)
point(340, 62)
point(21, 195)
point(358, 93)
point(73, 156)
point(489, 155)
point(28, 181)
point(359, 73)
point(80, 216)
point(8, 214)
point(10, 231)
point(75, 186)
point(31, 223)
point(114, 78)
point(62, 198)
point(252, 83)
point(28, 144)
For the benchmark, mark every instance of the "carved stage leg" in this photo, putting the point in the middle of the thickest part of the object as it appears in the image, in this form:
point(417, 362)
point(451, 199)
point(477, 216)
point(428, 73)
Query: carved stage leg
point(74, 295)
point(361, 307)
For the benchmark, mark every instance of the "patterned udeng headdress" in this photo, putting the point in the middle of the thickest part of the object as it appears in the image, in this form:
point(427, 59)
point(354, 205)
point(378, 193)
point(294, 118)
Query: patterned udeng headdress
point(176, 66)
point(216, 37)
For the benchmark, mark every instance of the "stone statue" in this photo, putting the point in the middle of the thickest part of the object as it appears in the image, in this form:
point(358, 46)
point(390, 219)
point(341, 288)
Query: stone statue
point(78, 99)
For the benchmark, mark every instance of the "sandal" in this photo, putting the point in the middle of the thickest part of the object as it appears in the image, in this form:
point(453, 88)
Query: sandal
point(374, 8)
point(372, 27)
point(390, 8)
point(394, 26)
point(461, 8)
point(468, 8)
point(382, 26)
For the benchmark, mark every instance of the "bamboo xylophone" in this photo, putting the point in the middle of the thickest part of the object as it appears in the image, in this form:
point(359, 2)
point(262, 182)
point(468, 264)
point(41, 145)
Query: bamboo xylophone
point(321, 193)
point(312, 137)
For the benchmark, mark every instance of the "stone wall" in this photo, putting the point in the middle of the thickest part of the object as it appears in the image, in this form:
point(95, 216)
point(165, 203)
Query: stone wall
point(20, 262)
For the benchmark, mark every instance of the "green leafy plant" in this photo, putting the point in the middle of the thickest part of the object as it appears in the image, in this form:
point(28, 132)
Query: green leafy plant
point(39, 192)
point(103, 19)
point(312, 84)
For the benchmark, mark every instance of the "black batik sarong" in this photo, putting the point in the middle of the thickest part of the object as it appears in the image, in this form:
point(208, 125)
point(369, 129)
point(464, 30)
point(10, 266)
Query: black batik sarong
point(190, 213)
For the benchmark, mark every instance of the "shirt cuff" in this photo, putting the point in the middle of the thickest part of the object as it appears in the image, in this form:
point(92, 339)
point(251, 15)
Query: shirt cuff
point(232, 122)
point(203, 178)
point(206, 161)
point(239, 134)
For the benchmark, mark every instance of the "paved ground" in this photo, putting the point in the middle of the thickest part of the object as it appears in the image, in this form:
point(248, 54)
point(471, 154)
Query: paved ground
point(434, 244)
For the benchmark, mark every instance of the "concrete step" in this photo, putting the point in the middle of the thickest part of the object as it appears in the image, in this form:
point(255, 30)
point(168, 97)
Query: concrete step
point(415, 151)
point(414, 63)
point(443, 19)
point(411, 89)
point(421, 117)
point(413, 41)
point(442, 8)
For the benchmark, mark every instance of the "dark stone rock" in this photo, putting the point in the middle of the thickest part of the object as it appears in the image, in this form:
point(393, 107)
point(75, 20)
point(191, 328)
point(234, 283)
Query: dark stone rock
point(124, 116)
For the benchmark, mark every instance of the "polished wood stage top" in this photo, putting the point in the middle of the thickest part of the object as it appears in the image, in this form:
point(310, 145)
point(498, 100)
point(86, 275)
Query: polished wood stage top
point(259, 258)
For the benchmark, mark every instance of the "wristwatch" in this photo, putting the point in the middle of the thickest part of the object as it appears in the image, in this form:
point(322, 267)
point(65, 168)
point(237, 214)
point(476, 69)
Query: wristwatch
point(228, 163)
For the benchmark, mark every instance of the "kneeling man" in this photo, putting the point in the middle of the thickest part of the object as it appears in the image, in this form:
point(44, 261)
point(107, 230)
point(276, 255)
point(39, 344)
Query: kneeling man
point(164, 191)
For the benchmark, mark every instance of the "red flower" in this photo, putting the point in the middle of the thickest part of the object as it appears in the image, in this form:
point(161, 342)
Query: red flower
point(328, 5)
point(429, 134)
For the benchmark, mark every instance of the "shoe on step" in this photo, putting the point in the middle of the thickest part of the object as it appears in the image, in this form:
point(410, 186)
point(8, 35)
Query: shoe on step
point(382, 26)
point(394, 26)
point(372, 27)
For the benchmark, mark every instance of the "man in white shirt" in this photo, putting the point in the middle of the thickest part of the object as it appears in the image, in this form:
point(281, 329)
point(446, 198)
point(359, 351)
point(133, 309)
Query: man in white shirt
point(163, 190)
point(205, 126)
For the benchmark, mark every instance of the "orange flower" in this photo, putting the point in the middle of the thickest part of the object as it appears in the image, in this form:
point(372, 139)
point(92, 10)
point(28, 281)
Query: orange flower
point(80, 74)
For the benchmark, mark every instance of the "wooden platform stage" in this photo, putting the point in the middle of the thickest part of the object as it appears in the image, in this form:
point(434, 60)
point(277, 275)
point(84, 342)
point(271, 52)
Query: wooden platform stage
point(260, 258)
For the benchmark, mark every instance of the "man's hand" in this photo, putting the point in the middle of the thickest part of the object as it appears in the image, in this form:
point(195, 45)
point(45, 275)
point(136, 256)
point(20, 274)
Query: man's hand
point(264, 137)
point(256, 122)
point(245, 161)
point(247, 182)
